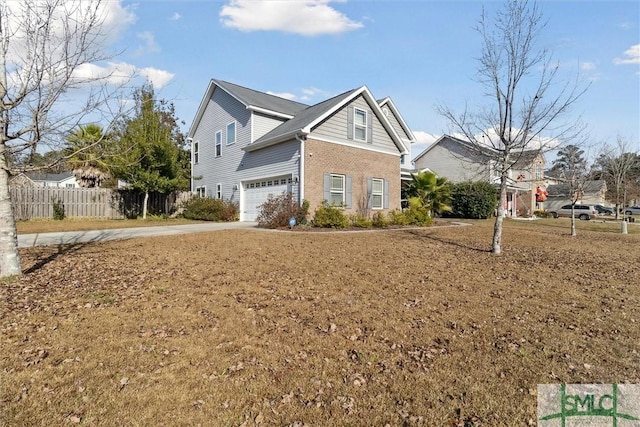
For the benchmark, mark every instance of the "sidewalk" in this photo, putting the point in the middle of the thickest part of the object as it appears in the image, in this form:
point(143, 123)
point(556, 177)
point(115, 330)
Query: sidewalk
point(71, 237)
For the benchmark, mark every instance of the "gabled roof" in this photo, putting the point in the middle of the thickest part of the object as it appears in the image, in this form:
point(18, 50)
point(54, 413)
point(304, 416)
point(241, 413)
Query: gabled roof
point(526, 157)
point(252, 99)
point(52, 177)
point(389, 104)
point(305, 120)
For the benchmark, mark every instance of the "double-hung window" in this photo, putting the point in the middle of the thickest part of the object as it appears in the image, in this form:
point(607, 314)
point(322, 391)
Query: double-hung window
point(218, 191)
point(231, 133)
point(196, 152)
point(218, 140)
point(337, 190)
point(359, 124)
point(377, 193)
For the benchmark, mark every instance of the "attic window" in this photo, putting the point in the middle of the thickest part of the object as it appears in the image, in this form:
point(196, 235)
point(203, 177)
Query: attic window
point(359, 124)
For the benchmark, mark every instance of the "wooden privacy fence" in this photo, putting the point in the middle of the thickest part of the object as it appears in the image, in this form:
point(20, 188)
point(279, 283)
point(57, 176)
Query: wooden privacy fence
point(31, 202)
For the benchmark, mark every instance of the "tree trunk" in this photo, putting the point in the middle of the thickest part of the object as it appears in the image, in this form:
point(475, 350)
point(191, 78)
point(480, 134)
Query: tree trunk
point(496, 247)
point(573, 221)
point(144, 205)
point(9, 256)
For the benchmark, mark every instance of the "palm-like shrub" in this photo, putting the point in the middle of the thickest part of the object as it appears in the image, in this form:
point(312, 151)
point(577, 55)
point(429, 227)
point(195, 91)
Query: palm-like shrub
point(433, 192)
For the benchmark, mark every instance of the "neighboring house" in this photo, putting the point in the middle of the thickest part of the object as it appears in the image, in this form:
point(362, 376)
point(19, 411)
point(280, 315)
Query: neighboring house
point(64, 179)
point(248, 145)
point(460, 161)
point(593, 193)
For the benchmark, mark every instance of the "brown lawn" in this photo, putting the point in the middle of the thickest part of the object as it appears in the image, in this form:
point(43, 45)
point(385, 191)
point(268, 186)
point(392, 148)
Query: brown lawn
point(249, 327)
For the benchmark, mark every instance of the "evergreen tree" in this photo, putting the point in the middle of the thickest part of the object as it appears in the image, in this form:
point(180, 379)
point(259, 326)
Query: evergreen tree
point(151, 157)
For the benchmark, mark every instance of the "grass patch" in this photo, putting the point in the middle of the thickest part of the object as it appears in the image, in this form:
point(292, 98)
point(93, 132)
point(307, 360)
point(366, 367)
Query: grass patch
point(405, 327)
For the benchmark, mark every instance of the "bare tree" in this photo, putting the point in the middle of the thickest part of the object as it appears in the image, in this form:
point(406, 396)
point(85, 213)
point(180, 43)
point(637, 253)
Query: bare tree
point(617, 166)
point(574, 173)
point(528, 110)
point(46, 51)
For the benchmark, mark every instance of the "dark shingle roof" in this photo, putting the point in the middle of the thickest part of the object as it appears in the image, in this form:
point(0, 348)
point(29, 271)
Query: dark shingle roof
point(36, 176)
point(305, 117)
point(261, 99)
point(590, 187)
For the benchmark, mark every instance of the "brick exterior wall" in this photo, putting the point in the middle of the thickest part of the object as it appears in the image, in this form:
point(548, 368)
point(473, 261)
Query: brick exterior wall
point(324, 157)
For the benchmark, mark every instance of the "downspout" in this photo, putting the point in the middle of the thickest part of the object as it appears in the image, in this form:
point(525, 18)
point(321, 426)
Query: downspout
point(301, 171)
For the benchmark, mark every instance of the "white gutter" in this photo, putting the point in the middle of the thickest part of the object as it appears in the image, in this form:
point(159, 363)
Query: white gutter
point(301, 171)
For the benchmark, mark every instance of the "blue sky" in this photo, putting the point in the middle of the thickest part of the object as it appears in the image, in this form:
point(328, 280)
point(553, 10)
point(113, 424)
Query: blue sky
point(420, 53)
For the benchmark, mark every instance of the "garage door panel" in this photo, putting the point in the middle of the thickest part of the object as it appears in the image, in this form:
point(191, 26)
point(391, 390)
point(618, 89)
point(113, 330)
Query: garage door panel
point(257, 192)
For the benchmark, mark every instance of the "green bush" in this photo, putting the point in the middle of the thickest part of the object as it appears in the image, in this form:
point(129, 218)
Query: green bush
point(417, 213)
point(329, 216)
point(379, 220)
point(474, 200)
point(397, 217)
point(359, 221)
point(277, 211)
point(209, 209)
point(58, 209)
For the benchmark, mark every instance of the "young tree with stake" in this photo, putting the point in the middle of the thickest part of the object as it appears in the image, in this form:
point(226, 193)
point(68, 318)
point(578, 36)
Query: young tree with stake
point(526, 109)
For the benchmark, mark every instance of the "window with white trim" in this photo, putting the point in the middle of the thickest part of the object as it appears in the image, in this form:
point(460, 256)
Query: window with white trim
point(359, 124)
point(377, 193)
point(218, 141)
point(231, 133)
point(201, 191)
point(337, 190)
point(218, 191)
point(196, 152)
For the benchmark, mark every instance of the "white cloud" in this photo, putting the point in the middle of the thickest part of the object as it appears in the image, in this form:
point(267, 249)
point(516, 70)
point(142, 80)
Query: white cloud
point(158, 78)
point(632, 56)
point(305, 17)
point(175, 17)
point(285, 95)
point(587, 66)
point(149, 46)
point(120, 73)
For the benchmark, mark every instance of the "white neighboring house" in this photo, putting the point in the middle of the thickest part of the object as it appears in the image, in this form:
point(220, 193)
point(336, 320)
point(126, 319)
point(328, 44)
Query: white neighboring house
point(37, 179)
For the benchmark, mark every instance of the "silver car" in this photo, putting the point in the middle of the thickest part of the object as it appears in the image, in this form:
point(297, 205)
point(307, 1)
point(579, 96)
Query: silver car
point(583, 212)
point(632, 210)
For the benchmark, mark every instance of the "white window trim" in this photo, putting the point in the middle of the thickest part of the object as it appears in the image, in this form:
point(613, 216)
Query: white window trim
point(201, 191)
point(219, 191)
point(196, 152)
point(375, 193)
point(235, 133)
point(355, 125)
point(343, 191)
point(217, 144)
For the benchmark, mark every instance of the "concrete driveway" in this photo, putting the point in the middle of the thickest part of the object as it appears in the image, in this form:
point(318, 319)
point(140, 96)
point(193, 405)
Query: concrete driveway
point(70, 237)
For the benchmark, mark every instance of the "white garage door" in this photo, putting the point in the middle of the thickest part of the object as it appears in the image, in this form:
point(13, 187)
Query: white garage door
point(257, 192)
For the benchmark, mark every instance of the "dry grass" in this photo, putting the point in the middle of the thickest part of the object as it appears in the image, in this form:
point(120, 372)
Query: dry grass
point(251, 327)
point(82, 224)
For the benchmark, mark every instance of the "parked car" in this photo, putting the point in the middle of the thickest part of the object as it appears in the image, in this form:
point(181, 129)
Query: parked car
point(603, 210)
point(632, 210)
point(583, 212)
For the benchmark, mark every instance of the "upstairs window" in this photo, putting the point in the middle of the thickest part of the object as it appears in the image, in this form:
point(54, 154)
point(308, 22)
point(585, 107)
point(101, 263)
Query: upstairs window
point(231, 133)
point(218, 140)
point(196, 153)
point(359, 124)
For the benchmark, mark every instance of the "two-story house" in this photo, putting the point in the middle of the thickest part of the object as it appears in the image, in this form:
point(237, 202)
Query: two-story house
point(248, 145)
point(459, 161)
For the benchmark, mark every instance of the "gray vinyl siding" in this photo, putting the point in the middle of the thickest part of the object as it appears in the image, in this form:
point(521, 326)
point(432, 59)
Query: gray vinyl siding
point(235, 165)
point(335, 128)
point(395, 123)
point(453, 165)
point(263, 124)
